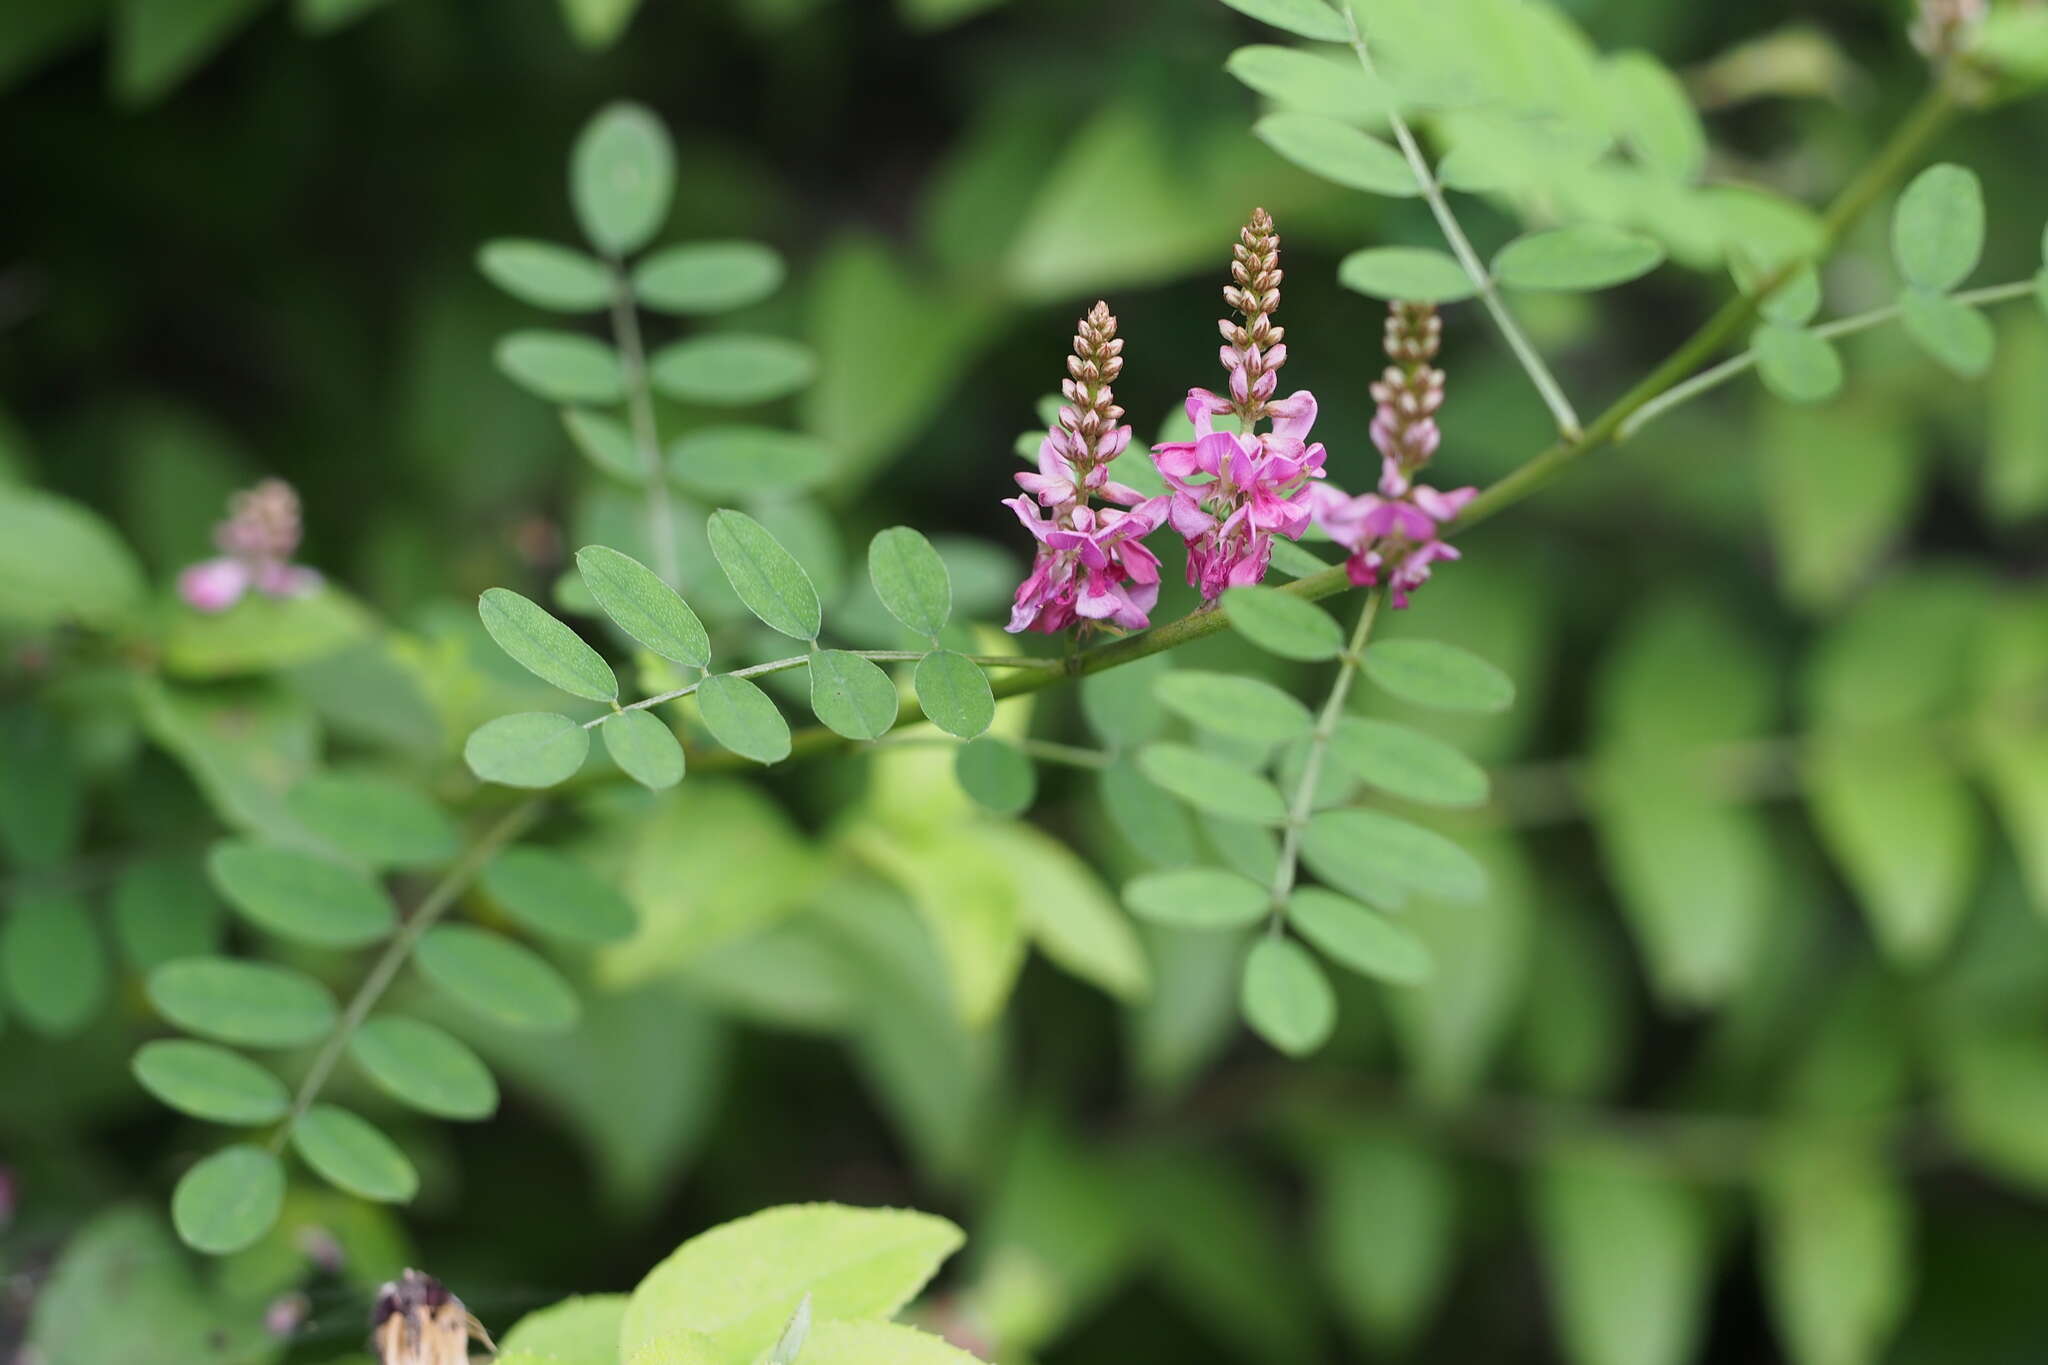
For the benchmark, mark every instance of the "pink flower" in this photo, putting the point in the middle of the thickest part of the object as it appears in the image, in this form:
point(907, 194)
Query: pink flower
point(259, 536)
point(1091, 565)
point(1402, 532)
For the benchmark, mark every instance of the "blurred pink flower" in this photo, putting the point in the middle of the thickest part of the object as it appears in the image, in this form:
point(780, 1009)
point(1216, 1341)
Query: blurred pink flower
point(259, 537)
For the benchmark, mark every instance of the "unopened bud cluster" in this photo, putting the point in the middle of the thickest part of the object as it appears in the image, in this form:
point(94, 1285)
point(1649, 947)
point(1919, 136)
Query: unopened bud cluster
point(257, 541)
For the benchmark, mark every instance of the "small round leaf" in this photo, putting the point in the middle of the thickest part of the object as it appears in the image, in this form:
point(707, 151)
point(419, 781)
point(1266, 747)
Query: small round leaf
point(562, 367)
point(301, 896)
point(954, 693)
point(743, 718)
point(352, 1154)
point(229, 1200)
point(996, 774)
point(766, 576)
point(644, 748)
point(1938, 228)
point(1364, 940)
point(851, 695)
point(708, 277)
point(545, 647)
point(621, 176)
point(1419, 274)
point(546, 275)
point(911, 580)
point(210, 1082)
point(1795, 364)
point(252, 1004)
point(1430, 673)
point(425, 1067)
point(732, 369)
point(529, 749)
point(1198, 898)
point(1283, 624)
point(499, 979)
point(1286, 998)
point(1955, 334)
point(555, 895)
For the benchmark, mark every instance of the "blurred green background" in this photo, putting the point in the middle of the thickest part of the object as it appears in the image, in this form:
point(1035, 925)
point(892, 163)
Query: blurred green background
point(1782, 671)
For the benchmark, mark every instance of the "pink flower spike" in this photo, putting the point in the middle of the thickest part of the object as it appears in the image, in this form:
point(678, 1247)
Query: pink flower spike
point(214, 585)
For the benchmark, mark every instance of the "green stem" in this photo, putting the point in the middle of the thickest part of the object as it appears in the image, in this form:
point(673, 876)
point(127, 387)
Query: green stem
point(1303, 804)
point(1720, 374)
point(661, 513)
point(1904, 148)
point(1461, 246)
point(429, 911)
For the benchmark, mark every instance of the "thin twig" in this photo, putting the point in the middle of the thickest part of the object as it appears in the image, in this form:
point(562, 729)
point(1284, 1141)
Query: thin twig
point(1299, 809)
point(429, 911)
point(661, 513)
point(1461, 246)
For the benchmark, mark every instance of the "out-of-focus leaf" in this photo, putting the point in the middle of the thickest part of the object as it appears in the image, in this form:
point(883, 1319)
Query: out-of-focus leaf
point(351, 1154)
point(546, 275)
point(424, 1067)
point(1305, 18)
point(1338, 152)
point(1198, 898)
point(60, 562)
point(1243, 708)
point(42, 808)
point(708, 277)
point(228, 1200)
point(970, 905)
point(732, 369)
point(382, 822)
point(1371, 849)
point(1069, 914)
point(1655, 117)
point(126, 1255)
point(531, 749)
point(606, 443)
point(1576, 258)
point(1837, 488)
point(1407, 763)
point(583, 1330)
point(499, 979)
point(737, 1283)
point(1795, 364)
point(1419, 274)
point(1286, 998)
point(2015, 485)
point(645, 749)
point(733, 460)
point(157, 43)
point(1837, 1254)
point(1213, 784)
point(996, 774)
point(1312, 82)
point(554, 894)
point(252, 1004)
point(1440, 676)
point(1386, 1225)
point(1953, 333)
point(164, 909)
point(1938, 228)
point(562, 367)
point(301, 896)
point(53, 966)
point(598, 23)
point(622, 171)
point(1628, 1252)
point(210, 1082)
point(1354, 936)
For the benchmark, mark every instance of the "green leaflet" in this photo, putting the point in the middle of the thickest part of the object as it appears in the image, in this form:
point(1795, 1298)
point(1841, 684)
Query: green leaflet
point(708, 277)
point(506, 983)
point(425, 1067)
point(621, 177)
point(645, 749)
point(732, 369)
point(546, 275)
point(530, 749)
point(301, 896)
point(767, 577)
point(545, 647)
point(1938, 228)
point(209, 1082)
point(954, 693)
point(911, 580)
point(643, 606)
point(351, 1154)
point(740, 716)
point(551, 893)
point(1286, 998)
point(1213, 784)
point(227, 1201)
point(851, 695)
point(249, 1003)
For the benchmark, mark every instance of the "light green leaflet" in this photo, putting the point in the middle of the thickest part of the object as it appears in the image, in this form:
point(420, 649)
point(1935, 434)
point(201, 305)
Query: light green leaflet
point(209, 1082)
point(546, 275)
point(1228, 704)
point(1198, 898)
point(1444, 677)
point(499, 979)
point(1421, 274)
point(851, 695)
point(645, 749)
point(545, 647)
point(1955, 334)
point(732, 369)
point(954, 693)
point(730, 460)
point(379, 821)
point(621, 175)
point(1588, 256)
point(228, 1200)
point(767, 577)
point(1407, 763)
point(249, 1003)
point(53, 969)
point(1338, 152)
point(741, 716)
point(528, 749)
point(1371, 847)
point(708, 277)
point(351, 1153)
point(1281, 623)
point(562, 367)
point(1333, 86)
point(911, 580)
point(1286, 998)
point(1796, 364)
point(996, 775)
point(1304, 18)
point(551, 893)
point(1357, 937)
point(605, 443)
point(425, 1067)
point(301, 896)
point(1213, 784)
point(1938, 228)
point(643, 606)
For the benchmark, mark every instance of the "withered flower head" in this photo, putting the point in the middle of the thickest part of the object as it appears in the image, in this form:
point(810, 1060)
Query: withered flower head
point(416, 1321)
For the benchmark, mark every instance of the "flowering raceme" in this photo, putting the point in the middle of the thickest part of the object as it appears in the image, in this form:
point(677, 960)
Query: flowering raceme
point(1234, 491)
point(1397, 532)
point(1090, 564)
point(258, 539)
